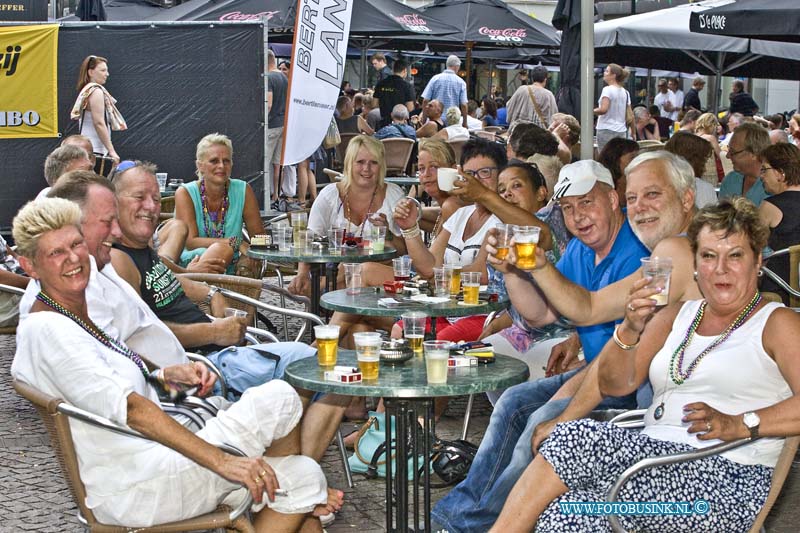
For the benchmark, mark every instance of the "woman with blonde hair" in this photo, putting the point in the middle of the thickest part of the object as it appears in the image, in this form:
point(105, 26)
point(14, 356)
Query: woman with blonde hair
point(215, 208)
point(613, 107)
point(347, 204)
point(454, 131)
point(707, 126)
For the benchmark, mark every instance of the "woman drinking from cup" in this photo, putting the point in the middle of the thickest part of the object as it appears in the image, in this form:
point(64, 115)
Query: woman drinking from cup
point(215, 208)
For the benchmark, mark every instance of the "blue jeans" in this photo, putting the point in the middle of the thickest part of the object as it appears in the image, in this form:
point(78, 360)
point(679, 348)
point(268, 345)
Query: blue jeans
point(505, 451)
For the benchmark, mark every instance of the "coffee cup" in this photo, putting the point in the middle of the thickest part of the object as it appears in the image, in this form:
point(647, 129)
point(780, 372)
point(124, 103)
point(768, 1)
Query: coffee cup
point(446, 177)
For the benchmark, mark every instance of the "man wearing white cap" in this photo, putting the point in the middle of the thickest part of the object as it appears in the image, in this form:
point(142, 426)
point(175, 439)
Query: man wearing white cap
point(448, 88)
point(604, 251)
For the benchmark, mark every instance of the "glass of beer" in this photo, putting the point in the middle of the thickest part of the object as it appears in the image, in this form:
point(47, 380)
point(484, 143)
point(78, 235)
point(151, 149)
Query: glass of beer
point(368, 351)
point(414, 329)
point(472, 286)
point(659, 269)
point(402, 269)
point(525, 240)
point(327, 344)
point(455, 277)
point(503, 233)
point(436, 355)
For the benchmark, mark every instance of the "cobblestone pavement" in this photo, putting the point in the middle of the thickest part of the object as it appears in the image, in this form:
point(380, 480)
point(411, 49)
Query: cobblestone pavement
point(34, 496)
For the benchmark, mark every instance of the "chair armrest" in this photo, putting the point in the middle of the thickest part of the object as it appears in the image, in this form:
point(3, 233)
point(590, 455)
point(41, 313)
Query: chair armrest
point(780, 281)
point(177, 409)
point(11, 290)
point(632, 419)
point(196, 403)
point(99, 421)
point(212, 368)
point(253, 334)
point(651, 462)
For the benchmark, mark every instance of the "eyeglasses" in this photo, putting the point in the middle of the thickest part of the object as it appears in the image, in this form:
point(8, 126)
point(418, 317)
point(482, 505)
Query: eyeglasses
point(732, 153)
point(482, 173)
point(764, 169)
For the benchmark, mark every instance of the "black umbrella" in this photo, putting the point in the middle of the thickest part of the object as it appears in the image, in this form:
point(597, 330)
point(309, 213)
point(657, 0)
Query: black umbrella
point(91, 10)
point(490, 23)
point(773, 20)
point(567, 18)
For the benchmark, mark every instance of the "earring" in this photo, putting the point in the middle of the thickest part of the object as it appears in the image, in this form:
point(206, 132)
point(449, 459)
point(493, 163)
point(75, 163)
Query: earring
point(695, 275)
point(760, 273)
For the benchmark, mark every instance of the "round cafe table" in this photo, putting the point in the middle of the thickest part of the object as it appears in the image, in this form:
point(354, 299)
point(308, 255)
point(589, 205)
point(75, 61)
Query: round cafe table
point(318, 256)
point(365, 302)
point(407, 398)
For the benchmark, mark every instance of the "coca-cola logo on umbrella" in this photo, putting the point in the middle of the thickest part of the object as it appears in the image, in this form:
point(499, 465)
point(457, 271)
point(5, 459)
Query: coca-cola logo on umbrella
point(413, 22)
point(508, 35)
point(238, 15)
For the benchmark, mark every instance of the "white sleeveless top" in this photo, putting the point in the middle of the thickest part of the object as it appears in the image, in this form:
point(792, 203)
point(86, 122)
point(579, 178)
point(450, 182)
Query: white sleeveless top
point(735, 377)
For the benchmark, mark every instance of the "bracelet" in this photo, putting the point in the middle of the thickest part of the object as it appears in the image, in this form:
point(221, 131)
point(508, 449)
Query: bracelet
point(411, 232)
point(159, 375)
point(621, 344)
point(212, 290)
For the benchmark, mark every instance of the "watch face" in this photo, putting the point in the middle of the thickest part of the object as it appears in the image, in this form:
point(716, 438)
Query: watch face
point(751, 420)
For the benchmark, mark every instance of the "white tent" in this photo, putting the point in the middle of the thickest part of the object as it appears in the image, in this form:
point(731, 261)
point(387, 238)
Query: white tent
point(662, 40)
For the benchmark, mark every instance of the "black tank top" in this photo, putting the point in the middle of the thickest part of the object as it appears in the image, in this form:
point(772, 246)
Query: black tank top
point(785, 234)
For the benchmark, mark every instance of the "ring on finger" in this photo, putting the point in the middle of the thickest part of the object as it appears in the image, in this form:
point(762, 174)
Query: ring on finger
point(257, 480)
point(631, 308)
point(708, 427)
point(263, 473)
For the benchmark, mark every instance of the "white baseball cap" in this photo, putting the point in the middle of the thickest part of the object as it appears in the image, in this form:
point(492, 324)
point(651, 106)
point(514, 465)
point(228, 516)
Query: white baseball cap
point(577, 179)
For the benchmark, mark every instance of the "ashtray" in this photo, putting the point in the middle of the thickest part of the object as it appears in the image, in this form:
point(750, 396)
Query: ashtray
point(395, 352)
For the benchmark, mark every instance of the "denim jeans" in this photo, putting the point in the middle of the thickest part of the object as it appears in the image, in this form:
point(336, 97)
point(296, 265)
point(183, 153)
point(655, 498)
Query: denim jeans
point(505, 451)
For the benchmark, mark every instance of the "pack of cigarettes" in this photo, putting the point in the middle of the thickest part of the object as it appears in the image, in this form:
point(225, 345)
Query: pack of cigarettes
point(343, 374)
point(460, 360)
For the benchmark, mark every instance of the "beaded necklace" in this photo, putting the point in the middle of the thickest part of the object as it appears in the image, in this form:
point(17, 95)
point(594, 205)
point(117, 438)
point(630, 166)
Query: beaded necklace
point(213, 221)
point(676, 372)
point(348, 211)
point(96, 332)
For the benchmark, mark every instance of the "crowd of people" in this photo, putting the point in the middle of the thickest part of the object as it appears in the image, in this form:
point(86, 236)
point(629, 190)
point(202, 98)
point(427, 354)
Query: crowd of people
point(106, 315)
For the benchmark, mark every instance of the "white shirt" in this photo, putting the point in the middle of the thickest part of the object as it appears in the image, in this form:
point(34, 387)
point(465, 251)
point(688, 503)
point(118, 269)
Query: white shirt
point(456, 132)
point(679, 97)
point(328, 210)
point(457, 247)
point(704, 193)
point(661, 98)
point(474, 123)
point(614, 117)
point(119, 311)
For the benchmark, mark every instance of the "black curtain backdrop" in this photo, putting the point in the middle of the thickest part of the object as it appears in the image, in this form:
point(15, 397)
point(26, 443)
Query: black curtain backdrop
point(567, 18)
point(173, 85)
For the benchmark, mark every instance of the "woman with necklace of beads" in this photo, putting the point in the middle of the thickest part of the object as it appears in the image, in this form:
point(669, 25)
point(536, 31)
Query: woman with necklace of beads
point(722, 369)
point(347, 203)
point(216, 207)
point(179, 474)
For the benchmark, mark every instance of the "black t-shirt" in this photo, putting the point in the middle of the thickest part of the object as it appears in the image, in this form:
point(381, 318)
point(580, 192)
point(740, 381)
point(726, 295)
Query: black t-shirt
point(743, 103)
point(692, 100)
point(391, 91)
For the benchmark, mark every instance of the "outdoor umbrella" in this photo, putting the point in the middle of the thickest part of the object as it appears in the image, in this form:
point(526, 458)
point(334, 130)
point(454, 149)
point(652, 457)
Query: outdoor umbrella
point(567, 18)
point(488, 23)
point(662, 40)
point(773, 20)
point(91, 10)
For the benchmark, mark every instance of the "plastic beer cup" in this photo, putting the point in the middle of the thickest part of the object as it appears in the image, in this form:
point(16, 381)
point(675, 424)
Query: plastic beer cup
point(327, 344)
point(525, 240)
point(436, 355)
point(368, 351)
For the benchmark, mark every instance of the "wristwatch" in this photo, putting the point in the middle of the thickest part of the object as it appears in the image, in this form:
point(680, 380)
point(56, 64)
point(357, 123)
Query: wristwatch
point(752, 421)
point(212, 290)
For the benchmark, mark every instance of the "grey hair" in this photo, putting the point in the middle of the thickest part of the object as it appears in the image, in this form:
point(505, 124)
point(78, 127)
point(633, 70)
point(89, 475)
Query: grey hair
point(453, 61)
point(59, 159)
point(639, 112)
point(453, 116)
point(400, 112)
point(679, 170)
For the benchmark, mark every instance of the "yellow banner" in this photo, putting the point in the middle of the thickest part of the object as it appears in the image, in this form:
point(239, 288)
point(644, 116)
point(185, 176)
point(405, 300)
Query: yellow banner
point(28, 81)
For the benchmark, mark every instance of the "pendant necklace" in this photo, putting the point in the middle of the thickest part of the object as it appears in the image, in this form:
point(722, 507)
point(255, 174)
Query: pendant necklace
point(676, 373)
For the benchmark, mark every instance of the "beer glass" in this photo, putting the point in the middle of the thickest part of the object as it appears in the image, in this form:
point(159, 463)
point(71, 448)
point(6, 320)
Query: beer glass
point(401, 268)
point(660, 270)
point(455, 277)
point(503, 234)
point(525, 240)
point(436, 355)
point(335, 240)
point(299, 221)
point(368, 351)
point(472, 287)
point(414, 329)
point(327, 344)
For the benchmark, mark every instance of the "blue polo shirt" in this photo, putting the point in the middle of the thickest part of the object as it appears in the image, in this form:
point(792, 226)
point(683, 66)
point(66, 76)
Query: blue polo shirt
point(577, 265)
point(733, 183)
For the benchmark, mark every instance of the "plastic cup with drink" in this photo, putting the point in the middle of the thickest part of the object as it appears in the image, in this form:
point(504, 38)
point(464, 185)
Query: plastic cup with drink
point(525, 240)
point(299, 221)
point(327, 344)
point(472, 286)
point(161, 178)
point(282, 237)
point(368, 351)
point(503, 234)
point(303, 239)
point(414, 329)
point(454, 267)
point(401, 268)
point(441, 281)
point(352, 277)
point(335, 240)
point(659, 269)
point(436, 355)
point(238, 313)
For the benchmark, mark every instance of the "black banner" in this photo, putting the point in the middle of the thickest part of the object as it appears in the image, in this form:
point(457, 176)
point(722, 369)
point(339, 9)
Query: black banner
point(23, 10)
point(173, 85)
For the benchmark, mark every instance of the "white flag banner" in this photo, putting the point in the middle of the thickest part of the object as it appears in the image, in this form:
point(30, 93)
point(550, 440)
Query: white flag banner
point(321, 32)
